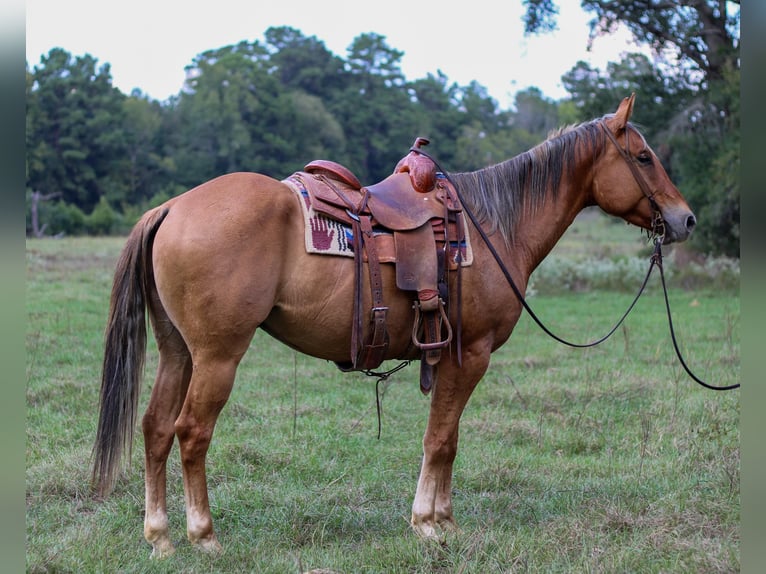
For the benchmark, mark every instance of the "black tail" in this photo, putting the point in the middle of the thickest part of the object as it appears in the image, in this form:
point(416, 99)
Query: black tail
point(124, 352)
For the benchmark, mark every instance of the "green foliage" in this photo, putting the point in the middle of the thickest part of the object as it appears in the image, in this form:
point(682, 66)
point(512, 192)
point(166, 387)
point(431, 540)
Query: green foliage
point(74, 135)
point(600, 253)
point(304, 63)
point(375, 108)
point(593, 91)
point(149, 167)
point(103, 219)
point(706, 163)
point(540, 16)
point(273, 106)
point(66, 219)
point(229, 101)
point(61, 219)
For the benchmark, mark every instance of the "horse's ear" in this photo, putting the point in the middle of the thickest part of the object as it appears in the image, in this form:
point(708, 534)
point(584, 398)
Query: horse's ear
point(623, 113)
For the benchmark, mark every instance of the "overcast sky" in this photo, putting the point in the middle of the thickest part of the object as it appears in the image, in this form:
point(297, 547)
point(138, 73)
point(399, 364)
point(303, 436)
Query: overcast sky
point(149, 42)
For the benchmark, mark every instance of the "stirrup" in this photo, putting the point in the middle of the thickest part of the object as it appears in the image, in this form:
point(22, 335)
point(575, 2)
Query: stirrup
point(424, 346)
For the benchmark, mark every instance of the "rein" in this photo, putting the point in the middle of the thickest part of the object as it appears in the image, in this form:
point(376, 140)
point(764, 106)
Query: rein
point(657, 260)
point(657, 233)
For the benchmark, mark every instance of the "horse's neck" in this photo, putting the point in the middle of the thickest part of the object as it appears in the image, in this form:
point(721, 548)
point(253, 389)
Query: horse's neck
point(538, 232)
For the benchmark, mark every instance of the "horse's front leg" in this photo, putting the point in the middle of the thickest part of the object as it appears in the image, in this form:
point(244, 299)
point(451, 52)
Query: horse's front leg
point(432, 507)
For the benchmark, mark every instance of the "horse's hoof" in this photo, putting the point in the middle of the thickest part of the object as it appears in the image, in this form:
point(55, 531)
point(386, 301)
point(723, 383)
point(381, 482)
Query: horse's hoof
point(209, 545)
point(449, 525)
point(162, 550)
point(426, 531)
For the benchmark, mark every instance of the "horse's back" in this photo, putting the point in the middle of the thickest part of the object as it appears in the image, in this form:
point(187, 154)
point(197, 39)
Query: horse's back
point(229, 201)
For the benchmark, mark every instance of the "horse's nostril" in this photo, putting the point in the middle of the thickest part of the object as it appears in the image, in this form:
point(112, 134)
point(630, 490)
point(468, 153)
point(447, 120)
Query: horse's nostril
point(691, 221)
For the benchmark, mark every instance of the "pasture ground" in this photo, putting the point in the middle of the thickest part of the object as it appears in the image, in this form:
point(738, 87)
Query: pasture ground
point(602, 460)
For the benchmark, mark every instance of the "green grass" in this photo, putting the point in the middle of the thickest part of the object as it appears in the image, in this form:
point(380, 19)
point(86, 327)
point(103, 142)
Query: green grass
point(602, 460)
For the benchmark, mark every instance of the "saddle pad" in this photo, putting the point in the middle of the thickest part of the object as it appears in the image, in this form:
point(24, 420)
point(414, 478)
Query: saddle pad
point(323, 235)
point(327, 236)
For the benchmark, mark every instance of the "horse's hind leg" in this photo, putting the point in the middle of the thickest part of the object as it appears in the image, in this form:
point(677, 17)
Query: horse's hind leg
point(171, 383)
point(209, 389)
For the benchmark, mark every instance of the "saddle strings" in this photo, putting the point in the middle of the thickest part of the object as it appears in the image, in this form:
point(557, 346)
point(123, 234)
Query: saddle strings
point(382, 376)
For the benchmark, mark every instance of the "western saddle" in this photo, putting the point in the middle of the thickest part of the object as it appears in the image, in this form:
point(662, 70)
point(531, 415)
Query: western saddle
point(419, 207)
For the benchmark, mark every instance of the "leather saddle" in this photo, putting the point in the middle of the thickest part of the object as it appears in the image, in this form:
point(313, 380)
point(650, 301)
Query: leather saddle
point(419, 207)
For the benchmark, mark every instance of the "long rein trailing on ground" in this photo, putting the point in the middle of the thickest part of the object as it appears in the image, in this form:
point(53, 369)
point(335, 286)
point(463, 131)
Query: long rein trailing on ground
point(657, 234)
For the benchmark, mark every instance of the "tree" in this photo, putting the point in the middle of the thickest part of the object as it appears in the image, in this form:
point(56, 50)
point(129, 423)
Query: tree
point(266, 107)
point(373, 62)
point(314, 132)
point(75, 139)
point(534, 113)
point(235, 113)
point(313, 78)
point(703, 34)
point(375, 107)
point(226, 113)
point(494, 137)
point(150, 168)
point(303, 63)
point(36, 199)
point(596, 93)
point(706, 151)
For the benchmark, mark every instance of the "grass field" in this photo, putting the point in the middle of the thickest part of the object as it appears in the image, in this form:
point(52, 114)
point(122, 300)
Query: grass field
point(602, 460)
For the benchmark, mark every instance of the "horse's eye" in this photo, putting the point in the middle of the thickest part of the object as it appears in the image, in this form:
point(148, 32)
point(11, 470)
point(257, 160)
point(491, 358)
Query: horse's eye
point(644, 158)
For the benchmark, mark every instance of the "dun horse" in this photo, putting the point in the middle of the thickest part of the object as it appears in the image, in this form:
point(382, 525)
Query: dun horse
point(221, 260)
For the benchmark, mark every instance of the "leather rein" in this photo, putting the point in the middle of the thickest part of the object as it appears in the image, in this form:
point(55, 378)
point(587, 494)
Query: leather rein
point(657, 234)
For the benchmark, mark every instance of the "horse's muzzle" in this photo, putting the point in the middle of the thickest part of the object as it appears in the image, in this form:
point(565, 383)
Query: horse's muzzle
point(679, 225)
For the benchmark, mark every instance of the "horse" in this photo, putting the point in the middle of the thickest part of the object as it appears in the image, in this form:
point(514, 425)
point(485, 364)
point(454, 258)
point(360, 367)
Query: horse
point(212, 265)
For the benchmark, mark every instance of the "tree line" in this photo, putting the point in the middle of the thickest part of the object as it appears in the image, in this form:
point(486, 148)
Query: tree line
point(98, 158)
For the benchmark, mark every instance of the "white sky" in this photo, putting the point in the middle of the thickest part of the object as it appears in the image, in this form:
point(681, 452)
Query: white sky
point(149, 42)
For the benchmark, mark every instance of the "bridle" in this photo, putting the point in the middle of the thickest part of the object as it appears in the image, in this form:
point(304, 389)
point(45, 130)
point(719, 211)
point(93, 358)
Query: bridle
point(657, 234)
point(658, 224)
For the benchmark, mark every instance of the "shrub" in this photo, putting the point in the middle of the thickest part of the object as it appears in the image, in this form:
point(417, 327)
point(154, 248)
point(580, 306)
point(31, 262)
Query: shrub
point(560, 275)
point(721, 273)
point(103, 219)
point(132, 213)
point(62, 218)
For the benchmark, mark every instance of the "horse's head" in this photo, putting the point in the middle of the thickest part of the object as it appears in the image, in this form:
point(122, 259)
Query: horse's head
point(631, 183)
